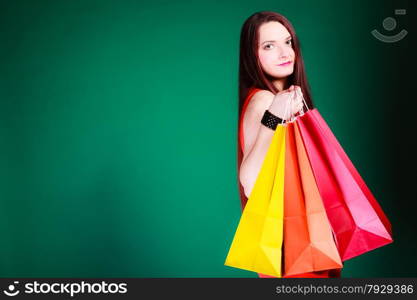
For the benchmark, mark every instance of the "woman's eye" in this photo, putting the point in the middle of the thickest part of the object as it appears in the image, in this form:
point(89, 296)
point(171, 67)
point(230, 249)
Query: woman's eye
point(288, 42)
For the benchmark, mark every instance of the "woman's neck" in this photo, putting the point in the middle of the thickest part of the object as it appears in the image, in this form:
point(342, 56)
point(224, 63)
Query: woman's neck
point(279, 83)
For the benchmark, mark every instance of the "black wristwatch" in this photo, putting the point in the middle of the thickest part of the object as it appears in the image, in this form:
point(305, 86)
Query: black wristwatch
point(270, 120)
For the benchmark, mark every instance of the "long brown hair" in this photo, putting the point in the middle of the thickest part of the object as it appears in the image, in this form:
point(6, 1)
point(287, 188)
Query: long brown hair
point(252, 75)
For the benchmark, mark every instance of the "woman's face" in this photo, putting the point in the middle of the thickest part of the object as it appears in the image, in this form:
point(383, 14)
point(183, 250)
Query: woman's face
point(275, 49)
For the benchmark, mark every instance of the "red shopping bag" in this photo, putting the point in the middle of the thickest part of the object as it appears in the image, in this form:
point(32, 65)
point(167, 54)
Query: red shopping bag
point(358, 222)
point(308, 241)
point(353, 171)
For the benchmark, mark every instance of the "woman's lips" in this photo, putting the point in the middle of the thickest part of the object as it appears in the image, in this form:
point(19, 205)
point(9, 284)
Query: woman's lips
point(285, 64)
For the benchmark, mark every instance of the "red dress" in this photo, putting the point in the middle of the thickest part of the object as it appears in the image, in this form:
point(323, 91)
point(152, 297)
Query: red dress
point(333, 273)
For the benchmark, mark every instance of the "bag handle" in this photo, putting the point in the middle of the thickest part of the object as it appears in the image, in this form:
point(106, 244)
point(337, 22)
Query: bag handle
point(293, 117)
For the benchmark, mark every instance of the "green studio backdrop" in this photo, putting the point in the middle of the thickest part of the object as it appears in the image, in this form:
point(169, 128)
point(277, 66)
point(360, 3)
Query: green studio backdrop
point(118, 131)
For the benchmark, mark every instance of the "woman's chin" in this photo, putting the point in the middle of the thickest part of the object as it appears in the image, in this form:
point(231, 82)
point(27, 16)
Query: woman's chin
point(279, 75)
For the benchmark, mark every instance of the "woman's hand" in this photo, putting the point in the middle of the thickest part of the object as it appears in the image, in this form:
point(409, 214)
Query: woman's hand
point(287, 103)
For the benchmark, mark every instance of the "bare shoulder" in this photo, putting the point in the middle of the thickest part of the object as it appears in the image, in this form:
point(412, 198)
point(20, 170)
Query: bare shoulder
point(260, 101)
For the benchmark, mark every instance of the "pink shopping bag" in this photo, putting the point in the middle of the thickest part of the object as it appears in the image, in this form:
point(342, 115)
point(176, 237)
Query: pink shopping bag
point(357, 220)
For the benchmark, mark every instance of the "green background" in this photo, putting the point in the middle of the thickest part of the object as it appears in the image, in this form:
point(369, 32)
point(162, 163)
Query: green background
point(118, 128)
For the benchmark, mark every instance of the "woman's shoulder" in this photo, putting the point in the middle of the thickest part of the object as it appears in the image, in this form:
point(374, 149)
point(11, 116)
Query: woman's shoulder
point(259, 99)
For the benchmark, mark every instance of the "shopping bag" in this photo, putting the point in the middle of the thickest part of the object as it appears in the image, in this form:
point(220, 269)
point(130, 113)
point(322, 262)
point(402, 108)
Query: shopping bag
point(308, 241)
point(357, 220)
point(257, 242)
point(361, 183)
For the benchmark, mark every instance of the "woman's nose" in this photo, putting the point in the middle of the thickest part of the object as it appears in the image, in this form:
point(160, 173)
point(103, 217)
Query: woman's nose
point(284, 56)
point(283, 53)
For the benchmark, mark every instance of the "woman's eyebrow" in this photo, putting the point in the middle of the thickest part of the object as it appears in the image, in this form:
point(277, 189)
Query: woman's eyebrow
point(287, 38)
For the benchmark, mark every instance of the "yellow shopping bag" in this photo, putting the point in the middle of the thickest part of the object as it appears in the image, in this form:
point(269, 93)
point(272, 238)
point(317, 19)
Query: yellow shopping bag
point(258, 239)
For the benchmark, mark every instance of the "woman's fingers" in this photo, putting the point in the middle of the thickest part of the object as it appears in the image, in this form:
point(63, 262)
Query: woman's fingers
point(297, 109)
point(295, 97)
point(300, 107)
point(295, 100)
point(297, 104)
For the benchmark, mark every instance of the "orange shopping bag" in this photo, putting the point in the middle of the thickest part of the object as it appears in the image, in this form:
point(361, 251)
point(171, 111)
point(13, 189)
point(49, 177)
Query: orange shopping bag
point(308, 240)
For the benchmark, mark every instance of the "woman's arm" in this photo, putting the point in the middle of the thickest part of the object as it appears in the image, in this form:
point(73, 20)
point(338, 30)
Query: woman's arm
point(257, 139)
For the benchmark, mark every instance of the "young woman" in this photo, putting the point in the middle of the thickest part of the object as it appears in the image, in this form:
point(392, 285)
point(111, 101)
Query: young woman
point(272, 80)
